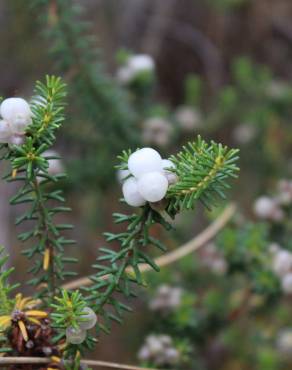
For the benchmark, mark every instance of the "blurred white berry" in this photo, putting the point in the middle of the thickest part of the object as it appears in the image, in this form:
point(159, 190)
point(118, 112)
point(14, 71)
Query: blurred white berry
point(16, 139)
point(264, 206)
point(267, 208)
point(188, 118)
point(131, 194)
point(172, 356)
point(244, 133)
point(143, 161)
point(154, 344)
point(166, 299)
point(88, 319)
point(157, 131)
point(122, 175)
point(141, 63)
point(55, 164)
point(165, 340)
point(277, 89)
point(153, 186)
point(284, 196)
point(124, 75)
point(5, 131)
point(171, 177)
point(144, 354)
point(287, 283)
point(282, 262)
point(274, 248)
point(75, 335)
point(219, 266)
point(211, 258)
point(17, 112)
point(135, 65)
point(159, 349)
point(284, 342)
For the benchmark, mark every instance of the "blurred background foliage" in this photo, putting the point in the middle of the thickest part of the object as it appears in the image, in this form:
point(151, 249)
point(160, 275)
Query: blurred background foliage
point(221, 70)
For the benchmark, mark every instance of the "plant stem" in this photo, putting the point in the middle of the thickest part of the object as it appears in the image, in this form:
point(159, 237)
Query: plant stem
point(194, 244)
point(44, 236)
point(132, 244)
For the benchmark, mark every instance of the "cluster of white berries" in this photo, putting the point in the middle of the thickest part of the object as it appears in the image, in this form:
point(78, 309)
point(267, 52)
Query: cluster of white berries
point(134, 66)
point(157, 131)
point(16, 116)
point(212, 259)
point(159, 350)
point(166, 299)
point(282, 266)
point(77, 335)
point(150, 176)
point(284, 342)
point(188, 118)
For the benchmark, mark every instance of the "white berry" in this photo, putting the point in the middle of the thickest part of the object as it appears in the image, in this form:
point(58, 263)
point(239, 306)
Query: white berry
point(171, 177)
point(17, 112)
point(16, 139)
point(282, 262)
point(140, 63)
point(131, 194)
point(264, 207)
point(55, 164)
point(143, 161)
point(287, 283)
point(88, 319)
point(153, 186)
point(75, 335)
point(5, 132)
point(122, 175)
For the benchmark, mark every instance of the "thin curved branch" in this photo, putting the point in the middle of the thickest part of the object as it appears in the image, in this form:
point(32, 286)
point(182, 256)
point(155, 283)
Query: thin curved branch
point(4, 361)
point(187, 248)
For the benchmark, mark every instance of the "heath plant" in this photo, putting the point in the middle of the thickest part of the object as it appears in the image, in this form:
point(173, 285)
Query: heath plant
point(58, 325)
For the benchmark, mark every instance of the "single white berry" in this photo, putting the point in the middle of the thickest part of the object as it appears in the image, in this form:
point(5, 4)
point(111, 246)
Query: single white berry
point(75, 335)
point(284, 342)
point(124, 75)
point(55, 164)
point(153, 186)
point(5, 131)
point(122, 175)
point(154, 344)
point(171, 176)
point(135, 65)
point(144, 353)
point(17, 112)
point(143, 161)
point(166, 164)
point(88, 319)
point(282, 262)
point(16, 139)
point(287, 283)
point(188, 118)
point(171, 355)
point(157, 131)
point(264, 207)
point(131, 194)
point(140, 63)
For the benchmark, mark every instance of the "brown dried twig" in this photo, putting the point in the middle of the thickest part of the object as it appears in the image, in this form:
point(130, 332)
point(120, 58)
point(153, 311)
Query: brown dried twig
point(4, 361)
point(191, 246)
